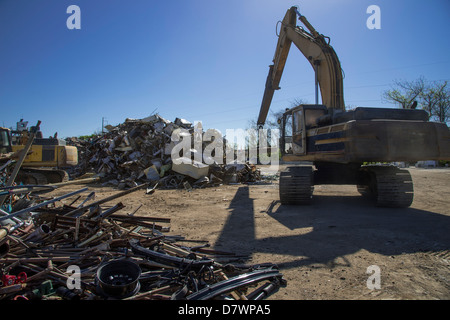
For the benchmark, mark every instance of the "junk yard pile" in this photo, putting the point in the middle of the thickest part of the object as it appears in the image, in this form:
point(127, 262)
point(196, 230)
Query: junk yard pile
point(140, 150)
point(77, 247)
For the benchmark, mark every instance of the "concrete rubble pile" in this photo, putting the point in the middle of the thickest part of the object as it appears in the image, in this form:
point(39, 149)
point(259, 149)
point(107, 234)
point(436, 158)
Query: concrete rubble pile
point(75, 247)
point(139, 150)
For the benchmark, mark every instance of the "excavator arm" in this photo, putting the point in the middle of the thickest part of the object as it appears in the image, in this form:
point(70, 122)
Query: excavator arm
point(317, 51)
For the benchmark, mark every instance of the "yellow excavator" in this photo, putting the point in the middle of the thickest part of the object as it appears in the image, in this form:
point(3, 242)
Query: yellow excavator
point(46, 160)
point(335, 146)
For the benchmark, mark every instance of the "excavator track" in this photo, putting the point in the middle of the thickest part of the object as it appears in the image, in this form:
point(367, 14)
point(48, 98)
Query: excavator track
point(41, 176)
point(31, 178)
point(296, 185)
point(389, 186)
point(55, 175)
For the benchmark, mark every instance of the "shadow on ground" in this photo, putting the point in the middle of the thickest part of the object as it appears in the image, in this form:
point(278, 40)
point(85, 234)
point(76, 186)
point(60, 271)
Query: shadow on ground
point(340, 226)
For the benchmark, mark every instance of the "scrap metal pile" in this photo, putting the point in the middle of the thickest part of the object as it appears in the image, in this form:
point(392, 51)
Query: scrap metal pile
point(87, 250)
point(139, 150)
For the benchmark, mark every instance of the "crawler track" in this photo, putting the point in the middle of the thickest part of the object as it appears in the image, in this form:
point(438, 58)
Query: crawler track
point(296, 185)
point(389, 186)
point(42, 176)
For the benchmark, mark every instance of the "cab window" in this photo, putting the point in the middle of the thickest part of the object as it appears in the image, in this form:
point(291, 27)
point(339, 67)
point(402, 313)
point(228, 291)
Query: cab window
point(298, 122)
point(311, 116)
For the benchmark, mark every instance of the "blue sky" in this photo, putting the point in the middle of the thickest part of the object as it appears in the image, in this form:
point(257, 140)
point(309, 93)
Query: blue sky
point(202, 60)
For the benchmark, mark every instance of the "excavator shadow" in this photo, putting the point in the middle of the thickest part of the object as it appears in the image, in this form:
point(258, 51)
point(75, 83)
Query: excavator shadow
point(330, 228)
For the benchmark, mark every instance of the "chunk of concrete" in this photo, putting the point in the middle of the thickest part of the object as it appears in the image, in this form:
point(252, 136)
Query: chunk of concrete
point(191, 168)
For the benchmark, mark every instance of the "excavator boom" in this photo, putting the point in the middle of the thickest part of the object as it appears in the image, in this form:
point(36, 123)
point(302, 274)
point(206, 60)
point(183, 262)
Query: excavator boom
point(318, 52)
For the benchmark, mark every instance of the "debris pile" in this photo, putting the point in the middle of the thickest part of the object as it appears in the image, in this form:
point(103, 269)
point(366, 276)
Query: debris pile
point(139, 151)
point(6, 167)
point(86, 250)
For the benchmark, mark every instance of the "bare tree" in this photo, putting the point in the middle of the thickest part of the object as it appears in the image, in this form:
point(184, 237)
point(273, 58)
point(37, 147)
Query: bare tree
point(435, 99)
point(431, 96)
point(405, 92)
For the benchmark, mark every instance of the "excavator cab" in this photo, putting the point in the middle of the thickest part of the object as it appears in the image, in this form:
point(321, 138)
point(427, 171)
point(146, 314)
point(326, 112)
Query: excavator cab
point(295, 124)
point(5, 141)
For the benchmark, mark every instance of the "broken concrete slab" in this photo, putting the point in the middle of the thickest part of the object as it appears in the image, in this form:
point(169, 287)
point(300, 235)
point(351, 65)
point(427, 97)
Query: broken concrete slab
point(191, 168)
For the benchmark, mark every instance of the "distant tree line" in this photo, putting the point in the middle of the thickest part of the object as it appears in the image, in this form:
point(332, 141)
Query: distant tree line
point(431, 96)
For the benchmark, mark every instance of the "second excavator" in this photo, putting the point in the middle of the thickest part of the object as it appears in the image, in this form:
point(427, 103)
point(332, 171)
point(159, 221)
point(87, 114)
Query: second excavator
point(335, 146)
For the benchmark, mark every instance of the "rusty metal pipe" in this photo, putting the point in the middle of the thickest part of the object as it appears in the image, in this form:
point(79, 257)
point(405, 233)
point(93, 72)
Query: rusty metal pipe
point(167, 259)
point(37, 234)
point(4, 231)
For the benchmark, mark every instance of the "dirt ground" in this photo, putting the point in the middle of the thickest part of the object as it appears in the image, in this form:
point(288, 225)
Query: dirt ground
point(323, 250)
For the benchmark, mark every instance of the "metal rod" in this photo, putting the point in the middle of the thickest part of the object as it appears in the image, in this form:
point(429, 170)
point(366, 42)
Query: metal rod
point(80, 211)
point(26, 210)
point(169, 260)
